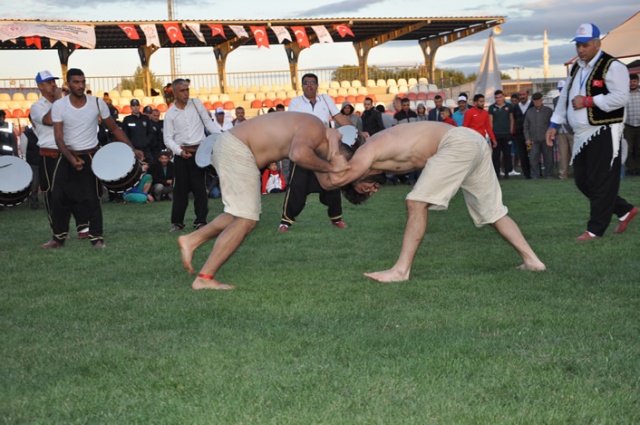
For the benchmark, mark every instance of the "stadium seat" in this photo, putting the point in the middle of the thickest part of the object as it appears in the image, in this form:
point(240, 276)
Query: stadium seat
point(278, 101)
point(360, 98)
point(217, 105)
point(275, 87)
point(224, 97)
point(423, 88)
point(392, 90)
point(228, 105)
point(162, 107)
point(431, 95)
point(450, 103)
point(342, 92)
point(203, 97)
point(126, 109)
point(208, 105)
point(203, 91)
point(358, 107)
point(5, 97)
point(18, 113)
point(158, 100)
point(18, 96)
point(371, 83)
point(433, 87)
point(114, 94)
point(423, 80)
point(356, 84)
point(402, 82)
point(253, 89)
point(381, 83)
point(345, 84)
point(249, 96)
point(287, 101)
point(351, 99)
point(214, 98)
point(25, 104)
point(242, 89)
point(124, 93)
point(138, 93)
point(270, 95)
point(4, 105)
point(230, 90)
point(192, 92)
point(414, 88)
point(287, 87)
point(256, 104)
point(146, 100)
point(363, 90)
point(281, 94)
point(422, 96)
point(412, 96)
point(403, 88)
point(292, 93)
point(267, 103)
point(352, 91)
point(391, 82)
point(260, 96)
point(332, 92)
point(430, 104)
point(215, 90)
point(264, 88)
point(323, 85)
point(32, 96)
point(412, 81)
point(340, 100)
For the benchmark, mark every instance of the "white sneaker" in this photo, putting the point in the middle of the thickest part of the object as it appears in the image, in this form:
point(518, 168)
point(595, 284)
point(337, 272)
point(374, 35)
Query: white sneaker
point(514, 173)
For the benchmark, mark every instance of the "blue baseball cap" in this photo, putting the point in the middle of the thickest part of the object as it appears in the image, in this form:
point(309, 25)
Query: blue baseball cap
point(43, 76)
point(586, 32)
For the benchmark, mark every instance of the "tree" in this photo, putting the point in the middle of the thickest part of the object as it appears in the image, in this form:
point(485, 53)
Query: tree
point(137, 81)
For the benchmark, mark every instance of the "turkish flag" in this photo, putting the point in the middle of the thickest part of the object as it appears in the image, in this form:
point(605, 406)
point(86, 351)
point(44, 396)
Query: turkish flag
point(34, 41)
point(260, 34)
point(216, 29)
point(343, 30)
point(130, 30)
point(301, 36)
point(597, 83)
point(174, 32)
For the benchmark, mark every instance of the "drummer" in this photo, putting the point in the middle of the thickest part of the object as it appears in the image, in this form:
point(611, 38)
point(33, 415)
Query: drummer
point(238, 155)
point(41, 117)
point(75, 119)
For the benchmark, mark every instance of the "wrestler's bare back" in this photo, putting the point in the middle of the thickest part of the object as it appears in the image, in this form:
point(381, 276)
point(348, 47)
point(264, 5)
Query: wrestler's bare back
point(270, 136)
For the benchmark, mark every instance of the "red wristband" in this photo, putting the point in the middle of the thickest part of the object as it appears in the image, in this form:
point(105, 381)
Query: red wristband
point(588, 101)
point(205, 276)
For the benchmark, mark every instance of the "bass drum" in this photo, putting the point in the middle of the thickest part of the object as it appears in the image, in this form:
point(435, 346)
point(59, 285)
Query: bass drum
point(117, 167)
point(15, 180)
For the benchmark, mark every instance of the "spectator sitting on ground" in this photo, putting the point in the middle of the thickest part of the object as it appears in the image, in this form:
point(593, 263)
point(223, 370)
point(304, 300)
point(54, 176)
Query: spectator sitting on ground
point(139, 194)
point(273, 180)
point(163, 173)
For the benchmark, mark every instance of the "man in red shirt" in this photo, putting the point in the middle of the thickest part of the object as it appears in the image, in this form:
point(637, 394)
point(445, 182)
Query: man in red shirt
point(478, 119)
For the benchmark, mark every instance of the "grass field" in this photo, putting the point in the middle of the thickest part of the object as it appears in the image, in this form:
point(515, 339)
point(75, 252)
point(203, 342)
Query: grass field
point(117, 336)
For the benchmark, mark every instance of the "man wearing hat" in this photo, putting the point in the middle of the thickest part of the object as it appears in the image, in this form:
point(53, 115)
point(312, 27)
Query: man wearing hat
point(221, 125)
point(138, 130)
point(458, 115)
point(184, 129)
point(48, 150)
point(593, 103)
point(564, 139)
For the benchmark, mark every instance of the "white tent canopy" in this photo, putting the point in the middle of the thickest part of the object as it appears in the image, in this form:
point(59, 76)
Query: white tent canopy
point(621, 42)
point(489, 73)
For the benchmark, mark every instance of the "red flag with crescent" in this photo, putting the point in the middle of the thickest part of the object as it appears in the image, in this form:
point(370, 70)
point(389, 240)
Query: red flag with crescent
point(130, 30)
point(301, 36)
point(343, 30)
point(216, 29)
point(34, 41)
point(174, 32)
point(260, 34)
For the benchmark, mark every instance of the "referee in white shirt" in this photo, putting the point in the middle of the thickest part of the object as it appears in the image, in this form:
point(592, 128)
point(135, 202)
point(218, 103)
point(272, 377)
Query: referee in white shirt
point(302, 181)
point(184, 129)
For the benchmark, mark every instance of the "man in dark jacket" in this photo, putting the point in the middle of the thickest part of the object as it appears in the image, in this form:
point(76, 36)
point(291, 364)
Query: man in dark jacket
point(371, 119)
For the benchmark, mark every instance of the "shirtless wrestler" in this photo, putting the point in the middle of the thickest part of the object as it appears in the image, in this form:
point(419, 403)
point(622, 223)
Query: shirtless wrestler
point(450, 159)
point(238, 155)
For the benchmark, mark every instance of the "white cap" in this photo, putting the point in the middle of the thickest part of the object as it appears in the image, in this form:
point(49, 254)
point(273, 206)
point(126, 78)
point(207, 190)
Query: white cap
point(462, 99)
point(219, 110)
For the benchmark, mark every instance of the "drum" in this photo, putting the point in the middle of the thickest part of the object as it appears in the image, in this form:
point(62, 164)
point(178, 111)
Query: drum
point(15, 180)
point(203, 154)
point(117, 167)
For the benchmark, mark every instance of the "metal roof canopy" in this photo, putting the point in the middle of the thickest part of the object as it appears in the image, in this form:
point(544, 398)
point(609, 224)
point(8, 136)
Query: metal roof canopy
point(430, 33)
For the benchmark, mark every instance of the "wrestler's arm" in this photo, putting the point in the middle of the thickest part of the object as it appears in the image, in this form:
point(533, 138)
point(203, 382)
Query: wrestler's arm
point(359, 166)
point(303, 152)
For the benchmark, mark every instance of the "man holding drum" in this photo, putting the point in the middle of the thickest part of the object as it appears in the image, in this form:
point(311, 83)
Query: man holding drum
point(75, 119)
point(184, 129)
point(238, 155)
point(43, 126)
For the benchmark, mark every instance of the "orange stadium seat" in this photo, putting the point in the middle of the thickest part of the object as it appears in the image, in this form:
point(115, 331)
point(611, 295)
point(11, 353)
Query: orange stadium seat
point(126, 110)
point(278, 101)
point(287, 101)
point(161, 107)
point(256, 104)
point(340, 99)
point(228, 105)
point(412, 96)
point(18, 113)
point(218, 104)
point(208, 105)
point(422, 96)
point(360, 98)
point(351, 99)
point(267, 103)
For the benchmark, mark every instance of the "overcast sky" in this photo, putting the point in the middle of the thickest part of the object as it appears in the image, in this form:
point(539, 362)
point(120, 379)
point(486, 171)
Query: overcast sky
point(519, 45)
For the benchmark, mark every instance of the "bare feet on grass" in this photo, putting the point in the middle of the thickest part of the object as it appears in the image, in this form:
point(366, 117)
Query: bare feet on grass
point(533, 266)
point(386, 276)
point(202, 283)
point(186, 253)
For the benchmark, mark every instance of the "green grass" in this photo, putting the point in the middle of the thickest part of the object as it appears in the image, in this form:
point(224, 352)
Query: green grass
point(118, 336)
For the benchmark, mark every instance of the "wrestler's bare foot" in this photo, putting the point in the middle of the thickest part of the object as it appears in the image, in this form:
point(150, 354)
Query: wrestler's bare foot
point(201, 283)
point(186, 253)
point(390, 275)
point(533, 266)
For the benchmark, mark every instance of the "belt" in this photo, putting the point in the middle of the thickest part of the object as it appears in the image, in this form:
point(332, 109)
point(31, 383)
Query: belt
point(86, 151)
point(190, 148)
point(50, 153)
